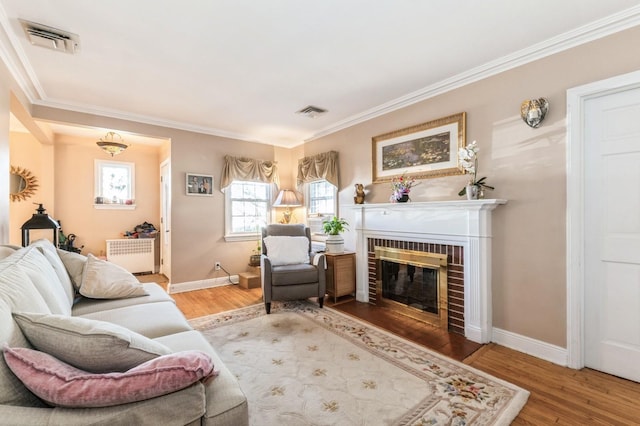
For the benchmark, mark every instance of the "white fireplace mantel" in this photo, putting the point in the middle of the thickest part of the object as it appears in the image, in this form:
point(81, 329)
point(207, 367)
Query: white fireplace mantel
point(461, 223)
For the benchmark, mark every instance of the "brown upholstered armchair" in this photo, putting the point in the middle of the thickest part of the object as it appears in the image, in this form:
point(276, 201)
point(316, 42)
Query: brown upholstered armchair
point(289, 269)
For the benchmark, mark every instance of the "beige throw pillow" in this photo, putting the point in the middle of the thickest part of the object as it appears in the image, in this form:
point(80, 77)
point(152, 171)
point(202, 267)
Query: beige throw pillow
point(105, 280)
point(91, 345)
point(74, 263)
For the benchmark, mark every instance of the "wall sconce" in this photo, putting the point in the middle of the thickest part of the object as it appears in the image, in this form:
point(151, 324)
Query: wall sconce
point(112, 143)
point(533, 111)
point(287, 198)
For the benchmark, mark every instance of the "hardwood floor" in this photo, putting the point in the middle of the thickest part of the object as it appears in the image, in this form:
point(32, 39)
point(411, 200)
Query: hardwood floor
point(559, 395)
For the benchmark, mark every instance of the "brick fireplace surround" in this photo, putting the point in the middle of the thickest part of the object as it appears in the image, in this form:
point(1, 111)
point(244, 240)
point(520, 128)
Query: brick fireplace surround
point(455, 274)
point(461, 229)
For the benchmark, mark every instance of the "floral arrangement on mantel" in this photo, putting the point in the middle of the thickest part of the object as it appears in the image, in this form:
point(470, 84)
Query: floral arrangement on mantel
point(401, 187)
point(468, 158)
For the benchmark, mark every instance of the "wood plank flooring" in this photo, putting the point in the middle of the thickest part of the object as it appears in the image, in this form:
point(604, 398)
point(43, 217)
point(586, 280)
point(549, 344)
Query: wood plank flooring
point(559, 395)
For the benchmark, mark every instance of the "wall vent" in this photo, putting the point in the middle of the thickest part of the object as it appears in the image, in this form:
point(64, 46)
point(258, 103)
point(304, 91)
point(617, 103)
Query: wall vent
point(51, 38)
point(311, 111)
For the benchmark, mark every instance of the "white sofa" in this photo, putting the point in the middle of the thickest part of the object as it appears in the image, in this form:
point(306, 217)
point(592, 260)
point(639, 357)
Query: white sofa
point(40, 279)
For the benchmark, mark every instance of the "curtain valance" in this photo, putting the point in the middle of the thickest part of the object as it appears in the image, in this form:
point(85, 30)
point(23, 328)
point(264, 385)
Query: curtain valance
point(320, 166)
point(248, 169)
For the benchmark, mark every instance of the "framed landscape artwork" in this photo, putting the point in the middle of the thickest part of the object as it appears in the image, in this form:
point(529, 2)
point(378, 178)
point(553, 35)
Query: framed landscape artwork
point(423, 151)
point(198, 184)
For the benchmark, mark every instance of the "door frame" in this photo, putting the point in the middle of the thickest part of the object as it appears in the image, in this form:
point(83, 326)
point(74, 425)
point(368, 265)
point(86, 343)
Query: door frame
point(165, 225)
point(576, 98)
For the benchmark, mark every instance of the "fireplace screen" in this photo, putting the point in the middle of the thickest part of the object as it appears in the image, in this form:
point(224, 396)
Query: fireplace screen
point(410, 285)
point(413, 283)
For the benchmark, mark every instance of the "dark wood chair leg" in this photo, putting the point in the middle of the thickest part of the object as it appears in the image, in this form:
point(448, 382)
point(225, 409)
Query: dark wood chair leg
point(321, 301)
point(267, 306)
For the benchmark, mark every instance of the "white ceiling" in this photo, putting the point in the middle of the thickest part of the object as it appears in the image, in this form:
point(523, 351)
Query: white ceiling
point(242, 68)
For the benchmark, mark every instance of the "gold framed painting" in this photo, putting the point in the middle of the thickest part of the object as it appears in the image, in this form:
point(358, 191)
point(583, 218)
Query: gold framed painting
point(426, 150)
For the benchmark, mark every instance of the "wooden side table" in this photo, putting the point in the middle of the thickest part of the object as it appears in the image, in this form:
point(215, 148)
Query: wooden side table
point(341, 274)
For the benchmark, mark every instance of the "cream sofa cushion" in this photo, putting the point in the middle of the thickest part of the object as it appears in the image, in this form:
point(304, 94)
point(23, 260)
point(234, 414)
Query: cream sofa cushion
point(149, 319)
point(106, 280)
point(7, 250)
point(50, 252)
point(16, 288)
point(94, 346)
point(43, 276)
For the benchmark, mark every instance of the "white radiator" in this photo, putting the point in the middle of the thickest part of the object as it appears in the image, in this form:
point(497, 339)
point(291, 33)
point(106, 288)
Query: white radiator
point(135, 254)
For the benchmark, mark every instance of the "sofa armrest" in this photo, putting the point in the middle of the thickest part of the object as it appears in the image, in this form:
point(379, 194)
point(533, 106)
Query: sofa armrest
point(27, 416)
point(155, 411)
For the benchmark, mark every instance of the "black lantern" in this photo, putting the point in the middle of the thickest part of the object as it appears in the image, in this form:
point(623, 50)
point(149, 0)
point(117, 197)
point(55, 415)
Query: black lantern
point(40, 220)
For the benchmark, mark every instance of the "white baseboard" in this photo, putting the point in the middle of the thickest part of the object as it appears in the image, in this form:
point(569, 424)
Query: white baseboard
point(173, 288)
point(530, 346)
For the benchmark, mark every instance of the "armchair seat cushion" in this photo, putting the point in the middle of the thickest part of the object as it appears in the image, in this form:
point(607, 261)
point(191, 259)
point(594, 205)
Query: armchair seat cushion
point(302, 273)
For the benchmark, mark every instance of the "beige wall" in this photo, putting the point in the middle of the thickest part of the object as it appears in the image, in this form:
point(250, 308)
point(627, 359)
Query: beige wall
point(6, 85)
point(28, 153)
point(527, 167)
point(198, 222)
point(74, 189)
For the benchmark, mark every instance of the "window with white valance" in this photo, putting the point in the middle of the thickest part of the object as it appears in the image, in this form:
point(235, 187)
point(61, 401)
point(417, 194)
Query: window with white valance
point(248, 170)
point(318, 179)
point(248, 185)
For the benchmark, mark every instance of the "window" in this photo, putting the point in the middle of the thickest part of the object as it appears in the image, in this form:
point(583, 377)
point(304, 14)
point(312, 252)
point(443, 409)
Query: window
point(114, 185)
point(248, 208)
point(321, 198)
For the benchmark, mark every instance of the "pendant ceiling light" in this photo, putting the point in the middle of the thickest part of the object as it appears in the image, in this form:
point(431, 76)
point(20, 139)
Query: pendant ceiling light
point(112, 143)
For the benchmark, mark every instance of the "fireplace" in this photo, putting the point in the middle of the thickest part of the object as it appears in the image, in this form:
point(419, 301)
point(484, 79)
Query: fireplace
point(460, 229)
point(413, 283)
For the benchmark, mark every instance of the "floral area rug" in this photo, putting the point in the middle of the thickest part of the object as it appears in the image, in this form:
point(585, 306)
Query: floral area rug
point(303, 365)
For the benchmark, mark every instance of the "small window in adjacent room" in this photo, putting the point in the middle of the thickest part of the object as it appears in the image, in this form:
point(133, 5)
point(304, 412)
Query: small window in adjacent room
point(114, 185)
point(248, 208)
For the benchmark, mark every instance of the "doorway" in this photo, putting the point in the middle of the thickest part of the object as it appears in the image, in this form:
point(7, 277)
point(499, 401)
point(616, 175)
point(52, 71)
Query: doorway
point(165, 218)
point(603, 227)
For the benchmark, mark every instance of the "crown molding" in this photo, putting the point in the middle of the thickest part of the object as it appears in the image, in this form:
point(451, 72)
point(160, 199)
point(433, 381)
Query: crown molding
point(593, 31)
point(15, 59)
point(12, 54)
point(143, 119)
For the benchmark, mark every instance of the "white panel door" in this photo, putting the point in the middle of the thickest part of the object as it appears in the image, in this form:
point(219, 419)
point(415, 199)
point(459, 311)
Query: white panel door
point(612, 233)
point(165, 219)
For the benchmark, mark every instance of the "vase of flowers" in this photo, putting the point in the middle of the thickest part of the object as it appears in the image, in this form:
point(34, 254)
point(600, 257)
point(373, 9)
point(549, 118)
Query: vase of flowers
point(468, 158)
point(400, 188)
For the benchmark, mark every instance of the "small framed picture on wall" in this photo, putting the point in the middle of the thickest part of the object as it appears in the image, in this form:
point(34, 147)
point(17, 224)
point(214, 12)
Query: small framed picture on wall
point(198, 184)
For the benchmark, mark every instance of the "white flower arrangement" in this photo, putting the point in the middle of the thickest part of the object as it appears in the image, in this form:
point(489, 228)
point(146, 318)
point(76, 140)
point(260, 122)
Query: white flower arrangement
point(468, 160)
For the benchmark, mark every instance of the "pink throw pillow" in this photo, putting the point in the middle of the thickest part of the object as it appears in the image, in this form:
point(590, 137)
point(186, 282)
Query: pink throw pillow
point(63, 385)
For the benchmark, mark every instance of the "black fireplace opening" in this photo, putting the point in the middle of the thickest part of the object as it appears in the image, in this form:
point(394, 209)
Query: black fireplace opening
point(410, 285)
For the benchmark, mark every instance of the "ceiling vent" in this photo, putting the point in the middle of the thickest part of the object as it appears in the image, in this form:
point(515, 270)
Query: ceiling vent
point(51, 38)
point(311, 111)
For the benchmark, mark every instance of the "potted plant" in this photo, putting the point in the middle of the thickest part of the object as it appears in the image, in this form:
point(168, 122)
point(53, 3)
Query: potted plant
point(333, 228)
point(469, 162)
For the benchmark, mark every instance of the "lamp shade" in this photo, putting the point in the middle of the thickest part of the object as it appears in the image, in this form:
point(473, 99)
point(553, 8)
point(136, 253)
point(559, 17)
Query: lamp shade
point(287, 198)
point(40, 220)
